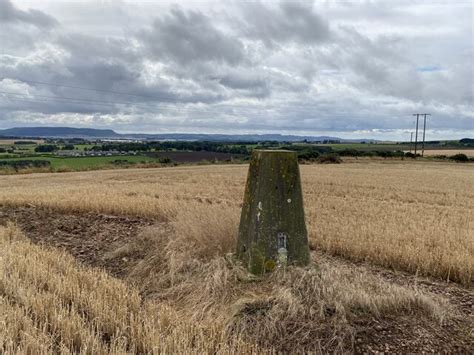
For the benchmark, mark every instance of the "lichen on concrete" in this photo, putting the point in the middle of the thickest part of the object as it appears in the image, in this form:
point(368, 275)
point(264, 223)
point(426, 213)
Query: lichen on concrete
point(273, 204)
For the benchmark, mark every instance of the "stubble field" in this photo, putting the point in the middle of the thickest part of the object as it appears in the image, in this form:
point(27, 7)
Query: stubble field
point(449, 152)
point(385, 238)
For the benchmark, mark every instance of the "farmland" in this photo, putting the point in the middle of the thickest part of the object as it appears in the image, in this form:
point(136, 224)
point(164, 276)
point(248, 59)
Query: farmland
point(60, 155)
point(87, 163)
point(392, 245)
point(62, 164)
point(448, 152)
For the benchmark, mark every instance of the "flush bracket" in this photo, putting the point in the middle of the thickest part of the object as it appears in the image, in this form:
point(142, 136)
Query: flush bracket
point(282, 240)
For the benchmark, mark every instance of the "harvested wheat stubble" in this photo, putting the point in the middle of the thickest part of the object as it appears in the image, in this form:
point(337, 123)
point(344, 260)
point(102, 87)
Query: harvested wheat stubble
point(449, 152)
point(49, 303)
point(409, 216)
point(199, 302)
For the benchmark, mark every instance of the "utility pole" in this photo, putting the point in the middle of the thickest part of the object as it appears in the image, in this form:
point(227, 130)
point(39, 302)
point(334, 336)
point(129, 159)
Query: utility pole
point(424, 130)
point(416, 134)
point(411, 140)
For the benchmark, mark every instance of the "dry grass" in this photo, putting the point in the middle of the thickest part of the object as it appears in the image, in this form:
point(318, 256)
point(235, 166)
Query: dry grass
point(49, 303)
point(416, 217)
point(196, 302)
point(449, 152)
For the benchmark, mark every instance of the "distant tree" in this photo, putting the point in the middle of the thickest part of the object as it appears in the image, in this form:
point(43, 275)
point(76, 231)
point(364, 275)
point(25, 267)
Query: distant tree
point(390, 154)
point(46, 148)
point(331, 158)
point(24, 142)
point(166, 160)
point(68, 147)
point(460, 158)
point(307, 155)
point(351, 153)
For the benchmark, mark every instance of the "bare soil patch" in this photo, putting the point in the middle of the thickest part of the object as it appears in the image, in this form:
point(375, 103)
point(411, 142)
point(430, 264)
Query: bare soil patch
point(87, 236)
point(90, 237)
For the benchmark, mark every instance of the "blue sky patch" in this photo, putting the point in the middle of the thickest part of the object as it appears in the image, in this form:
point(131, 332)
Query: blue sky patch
point(428, 68)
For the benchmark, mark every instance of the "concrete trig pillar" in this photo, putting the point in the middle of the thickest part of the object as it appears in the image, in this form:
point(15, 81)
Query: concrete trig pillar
point(272, 230)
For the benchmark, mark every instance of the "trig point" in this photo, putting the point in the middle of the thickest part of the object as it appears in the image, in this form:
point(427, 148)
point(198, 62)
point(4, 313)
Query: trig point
point(272, 230)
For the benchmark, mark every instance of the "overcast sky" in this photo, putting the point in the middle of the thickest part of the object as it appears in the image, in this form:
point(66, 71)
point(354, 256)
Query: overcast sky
point(348, 69)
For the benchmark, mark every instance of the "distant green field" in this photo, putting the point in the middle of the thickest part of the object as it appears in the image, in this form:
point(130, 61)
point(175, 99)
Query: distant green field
point(83, 146)
point(82, 163)
point(366, 146)
point(19, 148)
point(25, 148)
point(30, 148)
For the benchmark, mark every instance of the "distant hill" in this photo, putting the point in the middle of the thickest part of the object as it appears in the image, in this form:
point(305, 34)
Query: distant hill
point(59, 132)
point(229, 137)
point(92, 133)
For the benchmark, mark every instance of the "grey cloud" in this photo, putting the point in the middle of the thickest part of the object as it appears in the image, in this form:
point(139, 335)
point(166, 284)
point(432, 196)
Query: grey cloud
point(10, 14)
point(288, 21)
point(246, 82)
point(93, 47)
point(189, 36)
point(108, 64)
point(21, 31)
point(236, 82)
point(105, 64)
point(375, 64)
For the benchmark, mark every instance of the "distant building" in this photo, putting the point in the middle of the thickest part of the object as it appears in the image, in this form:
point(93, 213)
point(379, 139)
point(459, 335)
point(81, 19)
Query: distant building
point(91, 153)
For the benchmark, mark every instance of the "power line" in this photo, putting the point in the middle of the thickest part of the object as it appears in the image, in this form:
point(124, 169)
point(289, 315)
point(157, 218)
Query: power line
point(82, 88)
point(65, 98)
point(54, 99)
point(158, 98)
point(281, 104)
point(172, 107)
point(46, 98)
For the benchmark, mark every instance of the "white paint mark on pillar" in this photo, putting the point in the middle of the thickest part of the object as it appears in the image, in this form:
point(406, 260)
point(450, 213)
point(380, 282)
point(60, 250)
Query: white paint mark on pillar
point(259, 209)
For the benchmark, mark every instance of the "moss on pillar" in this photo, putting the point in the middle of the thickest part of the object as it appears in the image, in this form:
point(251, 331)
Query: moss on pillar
point(272, 228)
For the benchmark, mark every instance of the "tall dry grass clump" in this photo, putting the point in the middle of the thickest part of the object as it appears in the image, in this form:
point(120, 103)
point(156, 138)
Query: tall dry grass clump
point(206, 230)
point(319, 307)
